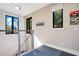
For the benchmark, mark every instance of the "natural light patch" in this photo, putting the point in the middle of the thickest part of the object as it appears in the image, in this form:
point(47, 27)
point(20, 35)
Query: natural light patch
point(9, 21)
point(37, 43)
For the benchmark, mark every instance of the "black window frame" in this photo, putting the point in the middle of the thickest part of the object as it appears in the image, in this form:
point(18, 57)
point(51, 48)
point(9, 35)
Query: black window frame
point(12, 32)
point(54, 18)
point(29, 25)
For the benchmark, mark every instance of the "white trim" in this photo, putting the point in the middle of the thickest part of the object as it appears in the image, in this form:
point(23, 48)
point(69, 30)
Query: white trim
point(25, 52)
point(63, 49)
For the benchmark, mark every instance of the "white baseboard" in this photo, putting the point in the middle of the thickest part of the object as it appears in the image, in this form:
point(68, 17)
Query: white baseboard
point(63, 49)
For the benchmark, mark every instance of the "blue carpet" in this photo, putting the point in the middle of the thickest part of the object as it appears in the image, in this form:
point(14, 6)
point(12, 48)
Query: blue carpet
point(47, 51)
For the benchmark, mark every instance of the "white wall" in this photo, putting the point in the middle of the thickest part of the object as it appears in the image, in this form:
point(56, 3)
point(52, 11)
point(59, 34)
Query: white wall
point(9, 42)
point(67, 37)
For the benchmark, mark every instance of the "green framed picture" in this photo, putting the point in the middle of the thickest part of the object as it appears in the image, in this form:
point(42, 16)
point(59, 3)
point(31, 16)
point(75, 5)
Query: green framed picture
point(58, 18)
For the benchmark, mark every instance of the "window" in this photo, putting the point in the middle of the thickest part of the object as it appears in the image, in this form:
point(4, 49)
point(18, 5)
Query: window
point(28, 25)
point(58, 18)
point(12, 24)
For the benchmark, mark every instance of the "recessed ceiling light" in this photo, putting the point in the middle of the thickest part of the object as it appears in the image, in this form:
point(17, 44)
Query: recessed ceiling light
point(17, 7)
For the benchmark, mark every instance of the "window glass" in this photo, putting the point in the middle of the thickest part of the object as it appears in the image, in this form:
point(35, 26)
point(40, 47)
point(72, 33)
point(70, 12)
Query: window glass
point(28, 25)
point(15, 24)
point(8, 24)
point(12, 24)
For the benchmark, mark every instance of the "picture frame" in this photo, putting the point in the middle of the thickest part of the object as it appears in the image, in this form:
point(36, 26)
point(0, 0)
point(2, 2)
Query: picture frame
point(74, 17)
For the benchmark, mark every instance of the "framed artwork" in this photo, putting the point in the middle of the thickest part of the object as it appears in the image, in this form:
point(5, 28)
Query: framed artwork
point(58, 18)
point(12, 24)
point(74, 17)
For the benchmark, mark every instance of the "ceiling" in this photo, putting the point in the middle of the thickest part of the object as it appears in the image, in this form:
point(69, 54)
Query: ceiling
point(26, 8)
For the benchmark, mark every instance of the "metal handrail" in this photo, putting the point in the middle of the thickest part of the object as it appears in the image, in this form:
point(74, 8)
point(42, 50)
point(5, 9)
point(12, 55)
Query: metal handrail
point(32, 37)
point(21, 46)
point(25, 40)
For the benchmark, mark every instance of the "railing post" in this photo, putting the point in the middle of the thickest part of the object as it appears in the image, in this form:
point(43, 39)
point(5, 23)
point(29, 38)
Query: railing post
point(32, 39)
point(19, 50)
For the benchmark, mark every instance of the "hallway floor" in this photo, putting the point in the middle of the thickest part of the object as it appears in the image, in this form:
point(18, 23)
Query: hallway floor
point(47, 51)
